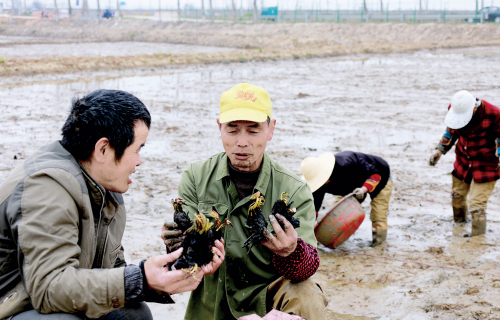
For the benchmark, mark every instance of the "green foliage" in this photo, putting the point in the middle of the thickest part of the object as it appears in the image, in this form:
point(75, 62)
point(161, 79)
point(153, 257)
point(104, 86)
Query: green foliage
point(3, 59)
point(260, 49)
point(132, 36)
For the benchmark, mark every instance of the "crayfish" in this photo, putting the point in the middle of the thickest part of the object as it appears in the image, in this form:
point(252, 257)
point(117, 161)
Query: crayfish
point(198, 241)
point(256, 222)
point(180, 217)
point(282, 207)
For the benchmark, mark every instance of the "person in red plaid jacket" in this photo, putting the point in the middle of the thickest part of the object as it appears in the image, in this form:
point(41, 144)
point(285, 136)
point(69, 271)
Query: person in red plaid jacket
point(475, 124)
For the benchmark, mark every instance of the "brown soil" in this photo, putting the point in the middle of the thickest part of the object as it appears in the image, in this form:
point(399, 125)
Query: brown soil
point(251, 42)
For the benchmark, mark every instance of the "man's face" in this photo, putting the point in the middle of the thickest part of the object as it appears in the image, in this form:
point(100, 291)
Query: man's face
point(245, 142)
point(114, 175)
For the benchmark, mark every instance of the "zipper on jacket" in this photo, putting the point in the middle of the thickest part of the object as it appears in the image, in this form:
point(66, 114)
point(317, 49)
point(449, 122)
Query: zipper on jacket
point(106, 241)
point(98, 251)
point(99, 256)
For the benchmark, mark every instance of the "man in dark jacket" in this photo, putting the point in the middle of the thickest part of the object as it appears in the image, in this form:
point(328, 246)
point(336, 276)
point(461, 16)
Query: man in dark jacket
point(62, 218)
point(352, 172)
point(475, 124)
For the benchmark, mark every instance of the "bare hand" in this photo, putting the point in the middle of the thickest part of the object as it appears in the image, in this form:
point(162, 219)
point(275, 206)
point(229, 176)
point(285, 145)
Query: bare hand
point(160, 278)
point(219, 255)
point(171, 237)
point(435, 157)
point(359, 193)
point(285, 241)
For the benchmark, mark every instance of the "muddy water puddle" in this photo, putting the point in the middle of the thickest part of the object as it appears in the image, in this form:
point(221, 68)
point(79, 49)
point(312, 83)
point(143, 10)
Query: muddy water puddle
point(392, 106)
point(90, 49)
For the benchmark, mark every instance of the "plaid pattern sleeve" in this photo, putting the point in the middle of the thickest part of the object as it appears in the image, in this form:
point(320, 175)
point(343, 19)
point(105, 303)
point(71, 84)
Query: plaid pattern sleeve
point(476, 147)
point(300, 265)
point(372, 182)
point(447, 141)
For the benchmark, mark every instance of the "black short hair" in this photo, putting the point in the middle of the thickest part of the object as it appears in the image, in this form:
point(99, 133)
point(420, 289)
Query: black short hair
point(100, 114)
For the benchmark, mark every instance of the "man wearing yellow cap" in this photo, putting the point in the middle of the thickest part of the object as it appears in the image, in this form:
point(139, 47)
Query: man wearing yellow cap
point(275, 274)
point(352, 172)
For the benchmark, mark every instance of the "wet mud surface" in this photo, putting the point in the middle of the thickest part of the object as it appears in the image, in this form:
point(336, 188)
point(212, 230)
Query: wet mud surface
point(390, 105)
point(91, 49)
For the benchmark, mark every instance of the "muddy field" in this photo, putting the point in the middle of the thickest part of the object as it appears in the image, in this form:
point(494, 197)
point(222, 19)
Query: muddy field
point(391, 105)
point(100, 49)
point(249, 42)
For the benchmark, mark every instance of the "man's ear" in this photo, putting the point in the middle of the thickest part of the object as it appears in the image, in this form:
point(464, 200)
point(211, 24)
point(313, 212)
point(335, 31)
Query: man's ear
point(219, 124)
point(101, 150)
point(272, 125)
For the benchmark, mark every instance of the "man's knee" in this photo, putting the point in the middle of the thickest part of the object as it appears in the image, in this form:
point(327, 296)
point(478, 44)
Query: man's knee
point(132, 311)
point(459, 193)
point(35, 315)
point(305, 298)
point(480, 194)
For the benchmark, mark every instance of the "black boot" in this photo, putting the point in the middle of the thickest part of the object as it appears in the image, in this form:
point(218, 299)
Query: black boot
point(460, 214)
point(478, 217)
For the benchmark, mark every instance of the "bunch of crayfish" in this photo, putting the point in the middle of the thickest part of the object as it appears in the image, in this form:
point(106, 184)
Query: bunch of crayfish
point(282, 207)
point(255, 221)
point(199, 237)
point(258, 224)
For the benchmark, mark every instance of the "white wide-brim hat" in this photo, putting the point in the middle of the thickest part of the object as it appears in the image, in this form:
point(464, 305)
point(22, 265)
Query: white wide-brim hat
point(317, 170)
point(461, 111)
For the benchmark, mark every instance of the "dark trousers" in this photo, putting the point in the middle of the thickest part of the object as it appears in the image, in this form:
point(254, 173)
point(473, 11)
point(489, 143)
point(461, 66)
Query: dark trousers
point(136, 311)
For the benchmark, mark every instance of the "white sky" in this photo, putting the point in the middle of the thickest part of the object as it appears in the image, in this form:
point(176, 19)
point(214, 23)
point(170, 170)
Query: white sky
point(282, 4)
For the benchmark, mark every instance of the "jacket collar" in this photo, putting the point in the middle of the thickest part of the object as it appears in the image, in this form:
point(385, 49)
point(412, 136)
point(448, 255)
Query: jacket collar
point(96, 191)
point(265, 173)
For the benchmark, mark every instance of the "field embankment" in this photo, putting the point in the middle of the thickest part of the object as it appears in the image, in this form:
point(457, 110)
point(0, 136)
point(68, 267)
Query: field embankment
point(250, 42)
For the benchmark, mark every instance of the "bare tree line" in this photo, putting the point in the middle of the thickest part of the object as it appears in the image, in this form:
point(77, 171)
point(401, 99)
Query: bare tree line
point(85, 10)
point(365, 9)
point(203, 16)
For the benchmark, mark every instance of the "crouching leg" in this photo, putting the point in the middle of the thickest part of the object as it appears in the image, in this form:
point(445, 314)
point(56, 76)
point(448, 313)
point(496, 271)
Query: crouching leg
point(131, 311)
point(304, 298)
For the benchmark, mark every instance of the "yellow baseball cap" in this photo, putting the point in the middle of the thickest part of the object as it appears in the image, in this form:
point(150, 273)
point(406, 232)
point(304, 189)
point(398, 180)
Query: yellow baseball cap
point(245, 102)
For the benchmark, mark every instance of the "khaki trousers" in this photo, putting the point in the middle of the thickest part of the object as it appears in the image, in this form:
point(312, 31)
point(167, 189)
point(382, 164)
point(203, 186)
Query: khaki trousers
point(304, 298)
point(478, 193)
point(379, 204)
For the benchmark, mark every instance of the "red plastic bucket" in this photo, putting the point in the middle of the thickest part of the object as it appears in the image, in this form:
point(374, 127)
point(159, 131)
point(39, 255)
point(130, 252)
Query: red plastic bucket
point(340, 223)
